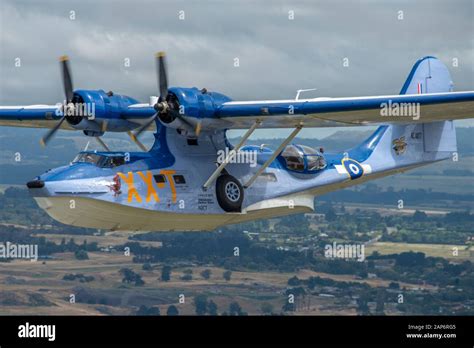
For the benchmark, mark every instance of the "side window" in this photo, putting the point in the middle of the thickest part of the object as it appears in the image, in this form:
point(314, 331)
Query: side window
point(159, 178)
point(293, 158)
point(268, 177)
point(118, 161)
point(315, 162)
point(179, 179)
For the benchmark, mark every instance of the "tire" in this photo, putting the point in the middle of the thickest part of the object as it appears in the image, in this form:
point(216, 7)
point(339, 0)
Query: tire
point(230, 193)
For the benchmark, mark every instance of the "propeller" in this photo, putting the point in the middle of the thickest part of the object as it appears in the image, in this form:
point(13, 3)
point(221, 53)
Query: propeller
point(69, 93)
point(164, 107)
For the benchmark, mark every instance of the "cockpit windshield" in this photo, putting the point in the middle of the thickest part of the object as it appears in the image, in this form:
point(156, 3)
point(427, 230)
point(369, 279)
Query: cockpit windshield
point(302, 158)
point(87, 158)
point(99, 160)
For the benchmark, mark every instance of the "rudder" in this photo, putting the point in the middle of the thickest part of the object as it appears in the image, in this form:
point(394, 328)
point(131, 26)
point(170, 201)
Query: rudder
point(428, 75)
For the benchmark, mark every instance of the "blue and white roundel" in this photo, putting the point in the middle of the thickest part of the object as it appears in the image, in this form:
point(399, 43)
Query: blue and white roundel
point(352, 167)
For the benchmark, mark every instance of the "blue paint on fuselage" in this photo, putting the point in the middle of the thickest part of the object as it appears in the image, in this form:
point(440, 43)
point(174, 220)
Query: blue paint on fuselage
point(159, 156)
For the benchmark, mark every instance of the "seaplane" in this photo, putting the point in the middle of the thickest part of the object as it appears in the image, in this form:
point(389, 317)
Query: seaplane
point(193, 179)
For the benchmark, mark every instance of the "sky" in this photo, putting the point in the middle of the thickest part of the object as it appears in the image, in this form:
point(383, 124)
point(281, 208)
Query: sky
point(341, 48)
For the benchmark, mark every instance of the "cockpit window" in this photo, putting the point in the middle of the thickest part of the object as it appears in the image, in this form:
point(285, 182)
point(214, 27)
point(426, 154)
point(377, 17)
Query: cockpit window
point(308, 150)
point(112, 161)
point(100, 160)
point(303, 158)
point(87, 158)
point(315, 162)
point(293, 158)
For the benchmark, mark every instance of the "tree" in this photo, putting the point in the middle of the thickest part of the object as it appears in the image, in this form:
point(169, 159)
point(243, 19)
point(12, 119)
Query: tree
point(147, 266)
point(172, 311)
point(362, 304)
point(227, 275)
point(212, 308)
point(200, 302)
point(420, 216)
point(166, 273)
point(331, 215)
point(187, 277)
point(138, 280)
point(72, 246)
point(410, 259)
point(235, 309)
point(294, 281)
point(206, 274)
point(380, 302)
point(394, 285)
point(81, 255)
point(266, 308)
point(130, 276)
point(144, 310)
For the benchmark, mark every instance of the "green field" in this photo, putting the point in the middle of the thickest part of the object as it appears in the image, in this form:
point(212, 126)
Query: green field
point(435, 250)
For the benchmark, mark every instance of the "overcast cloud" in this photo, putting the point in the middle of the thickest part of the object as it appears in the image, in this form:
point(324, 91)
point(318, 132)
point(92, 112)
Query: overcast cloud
point(277, 55)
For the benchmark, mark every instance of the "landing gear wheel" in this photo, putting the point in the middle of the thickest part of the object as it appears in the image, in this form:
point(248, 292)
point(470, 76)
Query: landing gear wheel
point(230, 193)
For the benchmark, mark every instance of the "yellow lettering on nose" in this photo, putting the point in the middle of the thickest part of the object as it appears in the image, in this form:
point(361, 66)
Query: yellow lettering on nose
point(168, 174)
point(148, 180)
point(132, 191)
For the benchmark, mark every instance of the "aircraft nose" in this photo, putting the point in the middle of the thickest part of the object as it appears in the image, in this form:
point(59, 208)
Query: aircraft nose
point(35, 184)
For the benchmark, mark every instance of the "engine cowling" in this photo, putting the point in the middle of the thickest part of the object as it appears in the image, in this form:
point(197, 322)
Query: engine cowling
point(96, 111)
point(192, 105)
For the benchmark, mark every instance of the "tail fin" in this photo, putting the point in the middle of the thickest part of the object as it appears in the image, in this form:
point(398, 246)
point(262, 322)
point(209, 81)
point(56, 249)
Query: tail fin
point(428, 75)
point(399, 147)
point(403, 146)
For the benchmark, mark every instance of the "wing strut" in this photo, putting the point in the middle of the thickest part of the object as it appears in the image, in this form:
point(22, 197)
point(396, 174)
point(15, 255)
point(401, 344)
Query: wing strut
point(231, 154)
point(102, 143)
point(136, 141)
point(275, 154)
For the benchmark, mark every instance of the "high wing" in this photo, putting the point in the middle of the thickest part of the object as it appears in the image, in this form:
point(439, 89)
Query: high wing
point(34, 116)
point(92, 111)
point(46, 116)
point(426, 96)
point(355, 111)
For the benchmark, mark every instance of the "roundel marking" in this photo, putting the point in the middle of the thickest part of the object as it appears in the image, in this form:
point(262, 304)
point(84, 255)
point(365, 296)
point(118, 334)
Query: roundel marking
point(353, 168)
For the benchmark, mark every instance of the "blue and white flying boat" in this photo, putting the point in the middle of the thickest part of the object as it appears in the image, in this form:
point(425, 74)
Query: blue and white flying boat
point(193, 179)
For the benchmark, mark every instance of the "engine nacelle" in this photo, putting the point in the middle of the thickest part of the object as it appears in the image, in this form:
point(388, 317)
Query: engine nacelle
point(193, 105)
point(198, 103)
point(96, 111)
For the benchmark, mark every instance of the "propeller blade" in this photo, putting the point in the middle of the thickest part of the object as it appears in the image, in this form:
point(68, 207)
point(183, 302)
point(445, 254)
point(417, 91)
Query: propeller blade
point(67, 79)
point(179, 116)
point(44, 140)
point(136, 141)
point(197, 130)
point(68, 92)
point(195, 127)
point(144, 127)
point(105, 123)
point(162, 76)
